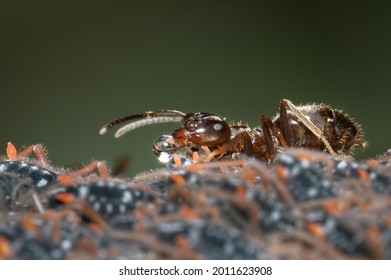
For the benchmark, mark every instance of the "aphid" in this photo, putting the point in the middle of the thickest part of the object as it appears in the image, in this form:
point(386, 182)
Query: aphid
point(108, 198)
point(212, 241)
point(15, 193)
point(305, 182)
point(34, 170)
point(39, 171)
point(313, 126)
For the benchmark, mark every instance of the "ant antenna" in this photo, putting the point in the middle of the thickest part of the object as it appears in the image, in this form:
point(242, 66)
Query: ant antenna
point(148, 118)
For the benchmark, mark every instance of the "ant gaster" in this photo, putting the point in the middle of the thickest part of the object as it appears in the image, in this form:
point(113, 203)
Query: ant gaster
point(314, 126)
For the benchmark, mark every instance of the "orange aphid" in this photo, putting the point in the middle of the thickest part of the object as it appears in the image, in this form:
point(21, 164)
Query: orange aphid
point(363, 174)
point(282, 173)
point(11, 151)
point(315, 229)
point(188, 213)
point(5, 248)
point(331, 208)
point(304, 156)
point(29, 225)
point(241, 192)
point(182, 242)
point(251, 175)
point(178, 179)
point(66, 180)
point(65, 198)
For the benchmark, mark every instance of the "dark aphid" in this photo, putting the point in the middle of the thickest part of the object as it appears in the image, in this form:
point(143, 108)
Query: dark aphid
point(305, 181)
point(15, 192)
point(107, 198)
point(49, 237)
point(39, 171)
point(212, 241)
point(339, 232)
point(40, 178)
point(311, 126)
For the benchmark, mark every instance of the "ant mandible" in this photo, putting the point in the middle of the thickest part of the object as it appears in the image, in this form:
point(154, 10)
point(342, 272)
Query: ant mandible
point(314, 126)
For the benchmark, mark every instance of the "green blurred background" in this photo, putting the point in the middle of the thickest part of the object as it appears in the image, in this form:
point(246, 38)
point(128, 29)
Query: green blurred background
point(68, 67)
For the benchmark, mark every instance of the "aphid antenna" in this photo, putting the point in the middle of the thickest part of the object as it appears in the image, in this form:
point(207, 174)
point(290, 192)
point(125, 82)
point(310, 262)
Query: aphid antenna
point(148, 118)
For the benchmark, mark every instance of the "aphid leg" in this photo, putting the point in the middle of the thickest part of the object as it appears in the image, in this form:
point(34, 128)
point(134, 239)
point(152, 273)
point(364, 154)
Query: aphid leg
point(37, 149)
point(180, 193)
point(314, 129)
point(99, 165)
point(83, 208)
point(68, 179)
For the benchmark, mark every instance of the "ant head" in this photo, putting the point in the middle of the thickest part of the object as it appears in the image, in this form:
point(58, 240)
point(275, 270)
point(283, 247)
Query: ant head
point(202, 129)
point(198, 129)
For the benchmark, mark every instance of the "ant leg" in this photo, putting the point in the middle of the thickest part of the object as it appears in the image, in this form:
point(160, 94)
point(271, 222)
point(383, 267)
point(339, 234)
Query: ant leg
point(276, 131)
point(286, 129)
point(243, 137)
point(37, 149)
point(314, 129)
point(271, 150)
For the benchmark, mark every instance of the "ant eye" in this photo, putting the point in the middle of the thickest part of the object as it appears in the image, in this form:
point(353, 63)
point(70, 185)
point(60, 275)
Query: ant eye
point(203, 129)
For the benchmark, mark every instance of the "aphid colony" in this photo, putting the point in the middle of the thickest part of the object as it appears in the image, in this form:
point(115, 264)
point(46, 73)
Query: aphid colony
point(216, 198)
point(306, 205)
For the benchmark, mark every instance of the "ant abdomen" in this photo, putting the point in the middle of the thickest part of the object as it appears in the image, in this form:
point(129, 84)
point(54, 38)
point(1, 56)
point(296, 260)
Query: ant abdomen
point(338, 128)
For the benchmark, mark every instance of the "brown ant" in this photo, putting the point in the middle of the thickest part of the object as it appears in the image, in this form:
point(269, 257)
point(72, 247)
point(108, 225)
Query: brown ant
point(314, 126)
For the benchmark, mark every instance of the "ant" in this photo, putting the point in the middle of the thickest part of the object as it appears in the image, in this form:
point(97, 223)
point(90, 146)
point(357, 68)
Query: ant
point(314, 126)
